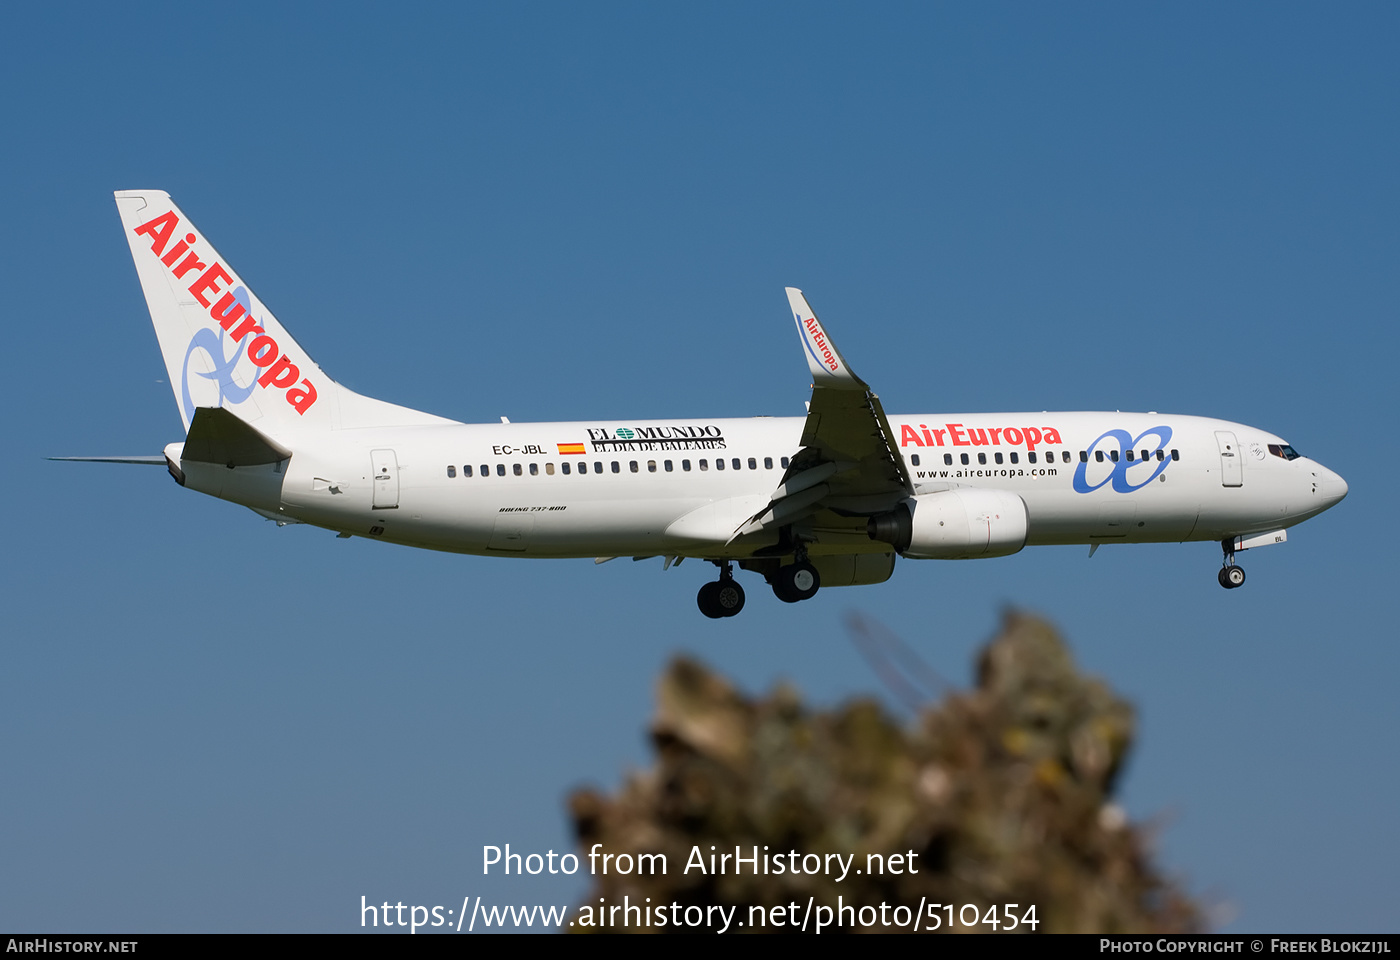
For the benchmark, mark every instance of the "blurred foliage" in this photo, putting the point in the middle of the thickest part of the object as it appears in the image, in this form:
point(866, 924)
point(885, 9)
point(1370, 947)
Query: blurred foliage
point(1002, 791)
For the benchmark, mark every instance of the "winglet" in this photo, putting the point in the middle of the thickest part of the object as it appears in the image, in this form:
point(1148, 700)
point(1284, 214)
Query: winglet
point(829, 368)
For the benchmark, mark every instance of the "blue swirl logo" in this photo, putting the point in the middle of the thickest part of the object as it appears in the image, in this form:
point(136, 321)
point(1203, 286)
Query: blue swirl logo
point(214, 346)
point(1120, 441)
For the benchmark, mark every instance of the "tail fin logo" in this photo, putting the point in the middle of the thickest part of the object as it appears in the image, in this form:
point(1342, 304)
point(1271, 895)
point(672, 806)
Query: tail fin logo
point(233, 314)
point(224, 365)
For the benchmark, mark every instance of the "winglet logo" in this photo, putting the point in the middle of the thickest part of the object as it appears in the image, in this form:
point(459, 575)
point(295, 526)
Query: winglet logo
point(1118, 474)
point(815, 339)
point(232, 307)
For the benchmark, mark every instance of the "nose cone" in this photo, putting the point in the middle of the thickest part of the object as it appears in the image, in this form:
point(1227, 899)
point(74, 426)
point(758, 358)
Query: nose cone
point(1333, 489)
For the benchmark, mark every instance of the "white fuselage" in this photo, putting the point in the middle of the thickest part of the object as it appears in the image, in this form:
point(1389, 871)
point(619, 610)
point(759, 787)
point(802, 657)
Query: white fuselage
point(658, 488)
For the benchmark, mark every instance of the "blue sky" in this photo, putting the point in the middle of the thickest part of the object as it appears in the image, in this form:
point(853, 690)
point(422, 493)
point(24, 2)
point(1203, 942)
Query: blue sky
point(551, 211)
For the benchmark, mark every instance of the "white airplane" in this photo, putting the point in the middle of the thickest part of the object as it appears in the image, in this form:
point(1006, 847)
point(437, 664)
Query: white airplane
point(826, 500)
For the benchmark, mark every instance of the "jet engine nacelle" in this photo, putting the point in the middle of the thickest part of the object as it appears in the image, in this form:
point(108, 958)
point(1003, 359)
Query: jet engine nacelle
point(954, 524)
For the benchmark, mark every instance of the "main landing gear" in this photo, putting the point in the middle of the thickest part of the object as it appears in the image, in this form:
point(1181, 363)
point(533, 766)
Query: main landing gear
point(792, 583)
point(1230, 576)
point(722, 598)
point(798, 580)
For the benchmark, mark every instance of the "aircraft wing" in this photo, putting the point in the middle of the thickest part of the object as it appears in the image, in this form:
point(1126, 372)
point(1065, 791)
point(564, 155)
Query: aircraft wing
point(849, 461)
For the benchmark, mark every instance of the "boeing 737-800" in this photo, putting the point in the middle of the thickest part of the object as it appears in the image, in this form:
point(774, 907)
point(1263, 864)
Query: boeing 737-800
point(827, 500)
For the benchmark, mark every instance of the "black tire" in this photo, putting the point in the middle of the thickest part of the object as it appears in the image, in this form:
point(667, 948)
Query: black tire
point(1231, 577)
point(797, 582)
point(708, 601)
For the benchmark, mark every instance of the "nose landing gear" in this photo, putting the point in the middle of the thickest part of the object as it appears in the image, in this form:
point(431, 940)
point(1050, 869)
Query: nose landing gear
point(723, 597)
point(1230, 576)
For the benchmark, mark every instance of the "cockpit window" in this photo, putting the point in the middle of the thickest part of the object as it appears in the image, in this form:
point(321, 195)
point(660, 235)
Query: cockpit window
point(1284, 450)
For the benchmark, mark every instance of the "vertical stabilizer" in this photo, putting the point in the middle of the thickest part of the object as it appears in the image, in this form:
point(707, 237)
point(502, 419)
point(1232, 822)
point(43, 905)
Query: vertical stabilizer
point(222, 346)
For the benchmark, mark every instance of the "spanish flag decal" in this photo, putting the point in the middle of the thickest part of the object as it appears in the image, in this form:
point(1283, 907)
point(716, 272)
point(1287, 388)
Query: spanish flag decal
point(566, 448)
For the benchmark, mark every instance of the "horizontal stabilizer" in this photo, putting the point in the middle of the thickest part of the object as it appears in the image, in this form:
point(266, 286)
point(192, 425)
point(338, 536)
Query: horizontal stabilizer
point(218, 436)
point(144, 461)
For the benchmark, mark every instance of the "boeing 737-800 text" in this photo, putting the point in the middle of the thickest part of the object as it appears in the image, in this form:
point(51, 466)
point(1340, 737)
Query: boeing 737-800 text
point(826, 500)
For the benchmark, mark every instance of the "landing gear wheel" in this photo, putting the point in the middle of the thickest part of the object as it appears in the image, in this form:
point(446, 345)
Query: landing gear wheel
point(796, 582)
point(720, 598)
point(729, 597)
point(1231, 577)
point(708, 601)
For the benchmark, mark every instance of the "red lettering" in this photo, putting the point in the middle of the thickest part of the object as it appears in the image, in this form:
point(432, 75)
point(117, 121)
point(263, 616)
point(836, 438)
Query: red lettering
point(159, 230)
point(192, 262)
point(302, 399)
point(225, 317)
point(1052, 436)
point(249, 325)
point(907, 435)
point(939, 435)
point(208, 280)
point(263, 350)
point(956, 433)
point(1032, 437)
point(978, 436)
point(1016, 439)
point(928, 437)
point(178, 249)
point(996, 436)
point(283, 373)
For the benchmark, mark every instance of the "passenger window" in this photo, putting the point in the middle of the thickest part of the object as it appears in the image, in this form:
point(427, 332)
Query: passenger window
point(1175, 455)
point(516, 468)
point(617, 467)
point(1016, 457)
point(669, 466)
point(914, 459)
point(1161, 454)
point(1098, 455)
point(685, 465)
point(735, 463)
point(564, 467)
point(534, 469)
point(1146, 455)
point(632, 465)
point(651, 466)
point(784, 462)
point(1130, 455)
point(597, 466)
point(998, 456)
point(964, 459)
point(451, 470)
point(1030, 457)
point(753, 464)
point(719, 464)
point(704, 464)
point(500, 469)
point(947, 459)
point(549, 469)
point(486, 469)
point(466, 469)
point(1113, 455)
point(982, 459)
point(1066, 456)
point(768, 463)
